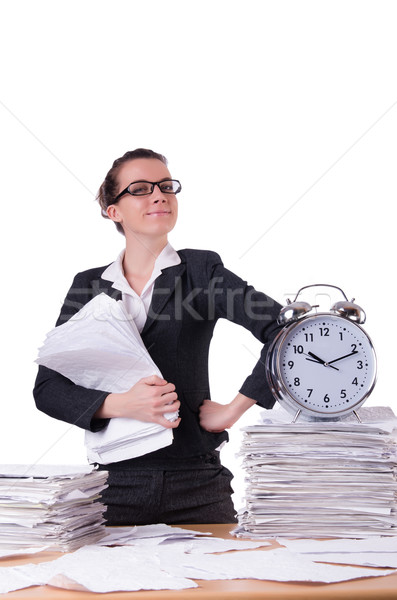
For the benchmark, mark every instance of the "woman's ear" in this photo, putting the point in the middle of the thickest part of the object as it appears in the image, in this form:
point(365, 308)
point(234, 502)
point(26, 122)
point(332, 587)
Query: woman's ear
point(113, 213)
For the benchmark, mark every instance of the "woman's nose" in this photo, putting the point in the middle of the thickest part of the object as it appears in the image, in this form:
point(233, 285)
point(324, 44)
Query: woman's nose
point(157, 195)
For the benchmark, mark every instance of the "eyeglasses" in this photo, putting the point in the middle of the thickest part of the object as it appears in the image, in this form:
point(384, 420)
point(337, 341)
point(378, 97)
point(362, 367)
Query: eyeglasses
point(145, 188)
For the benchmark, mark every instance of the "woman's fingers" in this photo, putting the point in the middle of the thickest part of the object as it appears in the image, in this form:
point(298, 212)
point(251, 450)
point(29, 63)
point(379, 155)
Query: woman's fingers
point(168, 424)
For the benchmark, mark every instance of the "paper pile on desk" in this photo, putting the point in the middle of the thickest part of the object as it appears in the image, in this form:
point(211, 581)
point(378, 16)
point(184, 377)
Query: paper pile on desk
point(100, 348)
point(320, 479)
point(50, 506)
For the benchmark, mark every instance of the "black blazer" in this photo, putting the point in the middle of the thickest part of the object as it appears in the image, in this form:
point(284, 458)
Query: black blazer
point(188, 299)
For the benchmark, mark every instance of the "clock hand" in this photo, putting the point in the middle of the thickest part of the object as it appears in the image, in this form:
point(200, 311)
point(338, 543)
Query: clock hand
point(320, 360)
point(345, 356)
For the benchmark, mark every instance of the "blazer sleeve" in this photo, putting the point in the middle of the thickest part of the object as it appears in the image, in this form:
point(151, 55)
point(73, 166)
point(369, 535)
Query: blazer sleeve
point(58, 396)
point(235, 300)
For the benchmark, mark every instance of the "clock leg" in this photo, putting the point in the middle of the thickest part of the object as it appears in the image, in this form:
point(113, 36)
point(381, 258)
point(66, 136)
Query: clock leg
point(296, 416)
point(358, 418)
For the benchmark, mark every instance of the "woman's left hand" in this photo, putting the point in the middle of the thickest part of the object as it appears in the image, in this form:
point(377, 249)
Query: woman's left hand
point(215, 417)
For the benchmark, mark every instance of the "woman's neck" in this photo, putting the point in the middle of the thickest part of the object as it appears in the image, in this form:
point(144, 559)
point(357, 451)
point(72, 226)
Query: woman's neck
point(139, 258)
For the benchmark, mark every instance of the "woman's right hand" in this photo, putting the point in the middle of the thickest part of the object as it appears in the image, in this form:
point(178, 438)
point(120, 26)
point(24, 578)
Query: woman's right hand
point(148, 400)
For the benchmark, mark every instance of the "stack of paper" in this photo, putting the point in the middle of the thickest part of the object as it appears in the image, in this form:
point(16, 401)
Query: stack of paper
point(320, 479)
point(100, 348)
point(50, 506)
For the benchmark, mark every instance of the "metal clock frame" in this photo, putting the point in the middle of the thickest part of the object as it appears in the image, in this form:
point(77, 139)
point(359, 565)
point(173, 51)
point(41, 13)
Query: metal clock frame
point(281, 392)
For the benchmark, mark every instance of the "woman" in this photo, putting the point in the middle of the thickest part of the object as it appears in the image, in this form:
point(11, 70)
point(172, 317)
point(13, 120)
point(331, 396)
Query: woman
point(175, 299)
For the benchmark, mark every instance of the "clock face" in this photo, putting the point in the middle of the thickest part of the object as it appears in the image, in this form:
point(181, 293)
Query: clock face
point(326, 365)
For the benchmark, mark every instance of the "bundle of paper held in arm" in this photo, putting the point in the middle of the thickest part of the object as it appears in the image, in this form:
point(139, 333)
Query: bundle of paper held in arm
point(100, 348)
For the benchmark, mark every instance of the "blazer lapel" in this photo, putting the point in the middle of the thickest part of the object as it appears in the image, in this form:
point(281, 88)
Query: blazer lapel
point(103, 286)
point(164, 287)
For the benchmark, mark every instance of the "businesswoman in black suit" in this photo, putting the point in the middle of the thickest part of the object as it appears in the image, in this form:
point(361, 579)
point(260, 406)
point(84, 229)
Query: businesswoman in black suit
point(175, 299)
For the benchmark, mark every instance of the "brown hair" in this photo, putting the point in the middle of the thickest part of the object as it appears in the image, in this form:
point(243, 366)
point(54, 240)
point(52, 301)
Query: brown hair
point(108, 190)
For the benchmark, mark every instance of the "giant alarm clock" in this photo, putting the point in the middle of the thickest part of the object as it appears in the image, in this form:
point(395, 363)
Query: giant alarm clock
point(321, 365)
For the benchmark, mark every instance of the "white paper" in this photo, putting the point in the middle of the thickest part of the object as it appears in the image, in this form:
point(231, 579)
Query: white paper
point(49, 506)
point(365, 559)
point(185, 540)
point(100, 348)
point(44, 471)
point(211, 545)
point(373, 544)
point(101, 569)
point(313, 479)
point(272, 565)
point(371, 552)
point(96, 569)
point(158, 532)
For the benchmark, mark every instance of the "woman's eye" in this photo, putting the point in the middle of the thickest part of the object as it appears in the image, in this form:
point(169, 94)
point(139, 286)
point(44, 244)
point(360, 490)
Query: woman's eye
point(140, 189)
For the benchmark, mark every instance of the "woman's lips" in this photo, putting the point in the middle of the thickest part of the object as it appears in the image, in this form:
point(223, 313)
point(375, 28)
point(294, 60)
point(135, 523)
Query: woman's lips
point(159, 213)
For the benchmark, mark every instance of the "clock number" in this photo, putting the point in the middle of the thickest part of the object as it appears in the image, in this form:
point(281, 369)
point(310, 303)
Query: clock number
point(343, 394)
point(355, 382)
point(359, 364)
point(297, 381)
point(326, 398)
point(309, 337)
point(298, 349)
point(354, 347)
point(291, 364)
point(341, 335)
point(324, 331)
point(310, 390)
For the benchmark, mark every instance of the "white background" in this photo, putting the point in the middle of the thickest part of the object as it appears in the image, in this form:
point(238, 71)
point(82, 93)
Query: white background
point(280, 119)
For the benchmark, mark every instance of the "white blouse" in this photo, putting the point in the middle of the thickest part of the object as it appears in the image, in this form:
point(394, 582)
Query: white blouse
point(138, 306)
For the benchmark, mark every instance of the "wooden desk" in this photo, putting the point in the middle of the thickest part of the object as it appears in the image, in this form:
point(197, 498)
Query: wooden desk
point(377, 588)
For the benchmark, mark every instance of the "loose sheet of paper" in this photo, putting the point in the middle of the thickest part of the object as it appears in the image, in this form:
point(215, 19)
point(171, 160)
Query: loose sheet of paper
point(273, 565)
point(97, 569)
point(101, 569)
point(341, 546)
point(136, 567)
point(185, 540)
point(157, 532)
point(384, 560)
point(373, 552)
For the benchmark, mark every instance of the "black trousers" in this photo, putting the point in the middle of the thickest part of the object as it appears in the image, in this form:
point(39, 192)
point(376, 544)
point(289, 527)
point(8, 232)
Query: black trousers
point(196, 490)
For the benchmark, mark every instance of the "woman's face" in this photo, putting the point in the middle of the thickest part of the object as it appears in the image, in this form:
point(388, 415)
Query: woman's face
point(154, 215)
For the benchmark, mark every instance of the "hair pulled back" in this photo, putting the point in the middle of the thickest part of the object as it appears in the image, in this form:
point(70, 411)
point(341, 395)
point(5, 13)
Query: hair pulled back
point(108, 190)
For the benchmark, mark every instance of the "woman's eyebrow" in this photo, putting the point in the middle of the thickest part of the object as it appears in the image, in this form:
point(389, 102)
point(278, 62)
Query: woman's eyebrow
point(147, 181)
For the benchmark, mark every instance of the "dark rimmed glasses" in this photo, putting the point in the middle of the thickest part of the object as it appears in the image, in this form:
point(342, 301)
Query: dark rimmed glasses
point(145, 188)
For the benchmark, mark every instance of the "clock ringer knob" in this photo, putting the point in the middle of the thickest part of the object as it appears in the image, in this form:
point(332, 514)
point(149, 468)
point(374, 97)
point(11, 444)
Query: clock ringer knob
point(351, 311)
point(293, 311)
